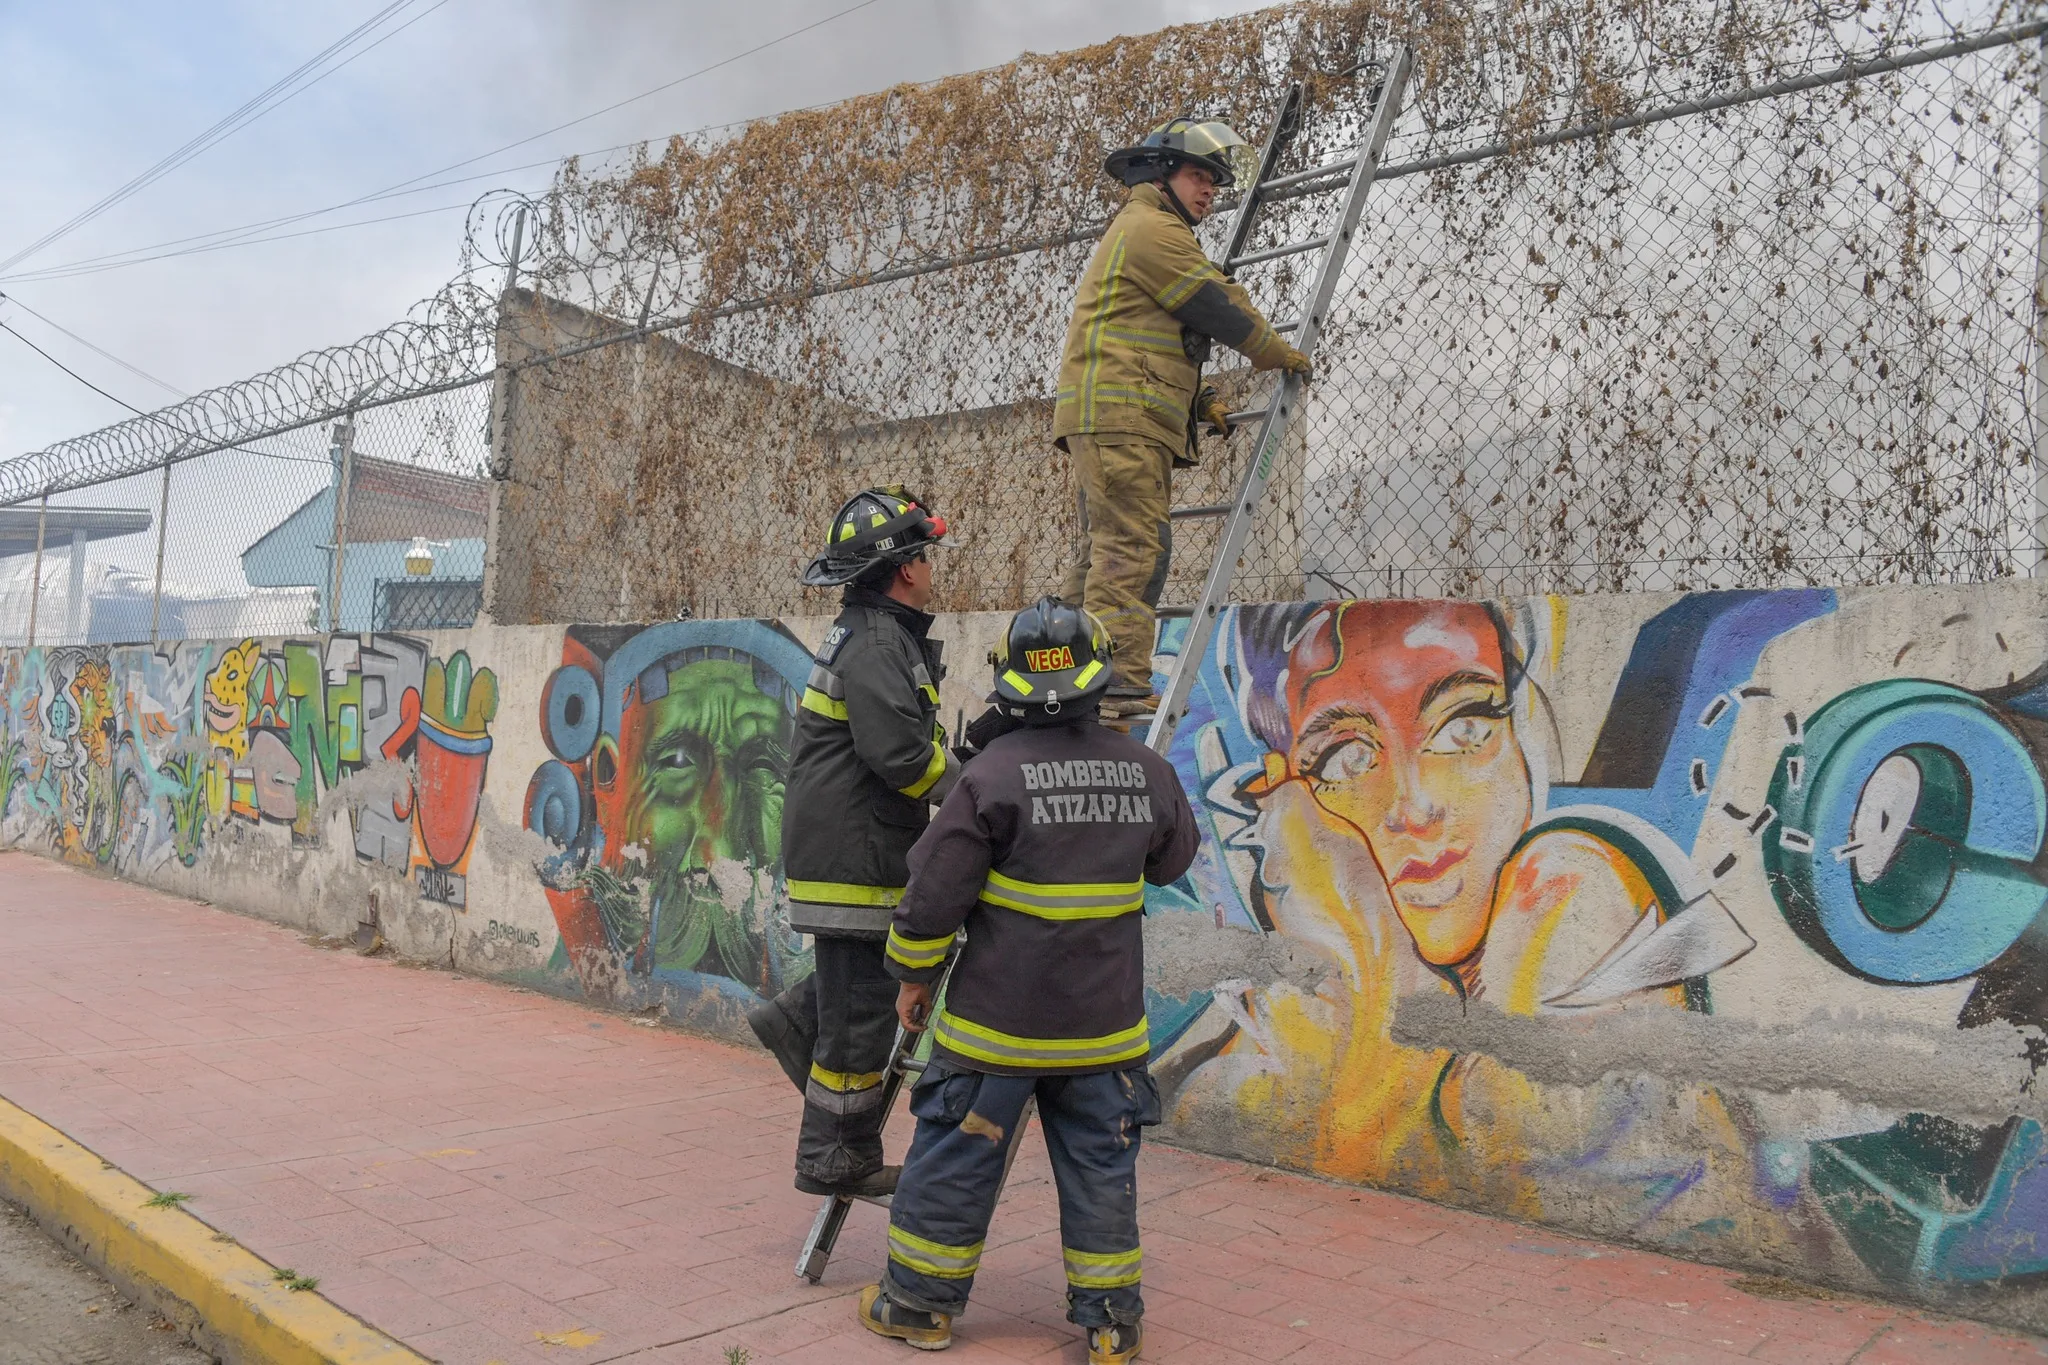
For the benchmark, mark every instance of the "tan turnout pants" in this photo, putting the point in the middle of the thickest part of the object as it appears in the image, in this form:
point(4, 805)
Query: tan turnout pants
point(1116, 566)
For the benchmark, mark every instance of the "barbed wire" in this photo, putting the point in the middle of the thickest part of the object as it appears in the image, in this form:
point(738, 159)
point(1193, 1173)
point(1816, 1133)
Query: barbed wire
point(908, 255)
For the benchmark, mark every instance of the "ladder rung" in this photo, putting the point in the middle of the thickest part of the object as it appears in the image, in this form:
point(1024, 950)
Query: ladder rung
point(910, 1066)
point(1238, 419)
point(1213, 509)
point(1288, 182)
point(1275, 253)
point(1174, 613)
point(1287, 326)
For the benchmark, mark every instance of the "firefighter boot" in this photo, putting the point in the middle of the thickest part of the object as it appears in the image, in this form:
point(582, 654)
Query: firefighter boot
point(1128, 711)
point(787, 1026)
point(876, 1184)
point(883, 1316)
point(1114, 1344)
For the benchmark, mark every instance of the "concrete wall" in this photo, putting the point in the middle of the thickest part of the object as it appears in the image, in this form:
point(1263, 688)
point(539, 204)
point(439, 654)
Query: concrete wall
point(704, 485)
point(1708, 922)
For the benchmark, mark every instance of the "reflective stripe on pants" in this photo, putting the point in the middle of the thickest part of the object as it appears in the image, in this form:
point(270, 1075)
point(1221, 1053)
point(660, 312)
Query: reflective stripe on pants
point(939, 1217)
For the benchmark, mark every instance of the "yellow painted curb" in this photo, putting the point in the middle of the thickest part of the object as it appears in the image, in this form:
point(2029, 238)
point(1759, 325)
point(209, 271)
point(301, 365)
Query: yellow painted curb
point(243, 1313)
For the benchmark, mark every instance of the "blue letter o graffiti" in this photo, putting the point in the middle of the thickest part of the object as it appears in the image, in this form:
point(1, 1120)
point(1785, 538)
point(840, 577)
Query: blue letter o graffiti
point(1932, 884)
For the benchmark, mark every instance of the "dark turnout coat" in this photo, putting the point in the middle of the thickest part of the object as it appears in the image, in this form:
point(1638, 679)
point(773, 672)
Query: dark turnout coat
point(1041, 853)
point(869, 756)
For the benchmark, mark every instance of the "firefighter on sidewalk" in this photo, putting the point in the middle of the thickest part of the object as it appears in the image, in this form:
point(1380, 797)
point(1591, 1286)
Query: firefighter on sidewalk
point(1130, 391)
point(869, 758)
point(1042, 853)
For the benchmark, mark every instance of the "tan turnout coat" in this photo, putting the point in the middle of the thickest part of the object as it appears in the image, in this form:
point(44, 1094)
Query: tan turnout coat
point(1124, 369)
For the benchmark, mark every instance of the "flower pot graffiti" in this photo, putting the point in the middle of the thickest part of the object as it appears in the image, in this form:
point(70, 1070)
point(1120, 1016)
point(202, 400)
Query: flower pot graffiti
point(451, 782)
point(451, 748)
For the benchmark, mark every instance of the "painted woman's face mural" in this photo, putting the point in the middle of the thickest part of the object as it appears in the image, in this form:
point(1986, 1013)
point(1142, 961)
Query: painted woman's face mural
point(1403, 731)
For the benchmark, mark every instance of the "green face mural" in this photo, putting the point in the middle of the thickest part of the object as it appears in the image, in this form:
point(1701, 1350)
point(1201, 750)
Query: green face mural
point(670, 744)
point(704, 800)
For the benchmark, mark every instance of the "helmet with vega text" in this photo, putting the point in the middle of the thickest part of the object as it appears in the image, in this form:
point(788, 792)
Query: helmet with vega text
point(1053, 655)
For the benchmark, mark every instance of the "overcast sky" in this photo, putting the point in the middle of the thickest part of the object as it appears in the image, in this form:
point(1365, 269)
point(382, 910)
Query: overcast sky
point(92, 94)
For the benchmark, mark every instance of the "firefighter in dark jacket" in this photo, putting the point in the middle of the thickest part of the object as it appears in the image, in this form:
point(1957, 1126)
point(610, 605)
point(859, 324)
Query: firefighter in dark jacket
point(1041, 853)
point(869, 757)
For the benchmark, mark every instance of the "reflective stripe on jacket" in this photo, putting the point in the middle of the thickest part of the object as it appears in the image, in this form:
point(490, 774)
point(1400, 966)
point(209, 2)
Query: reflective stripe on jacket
point(869, 756)
point(1125, 368)
point(1042, 853)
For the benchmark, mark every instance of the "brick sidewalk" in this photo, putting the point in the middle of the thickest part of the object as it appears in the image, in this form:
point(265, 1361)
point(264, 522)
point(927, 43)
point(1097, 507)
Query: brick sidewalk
point(498, 1176)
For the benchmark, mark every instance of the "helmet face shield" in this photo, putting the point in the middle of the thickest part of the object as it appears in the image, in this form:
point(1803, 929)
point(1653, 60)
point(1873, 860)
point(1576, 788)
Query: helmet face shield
point(1218, 142)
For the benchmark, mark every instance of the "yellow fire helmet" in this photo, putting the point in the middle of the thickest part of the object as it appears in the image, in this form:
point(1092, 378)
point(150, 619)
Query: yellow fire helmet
point(1211, 144)
point(1052, 655)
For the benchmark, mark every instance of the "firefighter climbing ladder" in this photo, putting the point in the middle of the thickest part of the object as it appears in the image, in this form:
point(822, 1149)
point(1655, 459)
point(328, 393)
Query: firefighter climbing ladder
point(1354, 176)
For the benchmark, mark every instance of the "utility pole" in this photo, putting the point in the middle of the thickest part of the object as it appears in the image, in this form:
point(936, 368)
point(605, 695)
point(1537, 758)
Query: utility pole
point(502, 406)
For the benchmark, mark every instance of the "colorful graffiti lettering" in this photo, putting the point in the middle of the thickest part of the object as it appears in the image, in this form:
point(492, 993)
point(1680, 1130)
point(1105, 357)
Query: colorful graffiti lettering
point(132, 755)
point(664, 795)
point(1386, 785)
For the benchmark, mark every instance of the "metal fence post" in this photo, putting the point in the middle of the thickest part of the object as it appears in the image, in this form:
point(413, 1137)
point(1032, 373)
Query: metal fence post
point(343, 452)
point(163, 517)
point(77, 625)
point(35, 592)
point(2040, 359)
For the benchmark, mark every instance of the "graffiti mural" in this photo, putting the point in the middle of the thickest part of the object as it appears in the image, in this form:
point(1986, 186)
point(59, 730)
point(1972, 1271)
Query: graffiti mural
point(1387, 785)
point(1775, 862)
point(130, 757)
point(664, 799)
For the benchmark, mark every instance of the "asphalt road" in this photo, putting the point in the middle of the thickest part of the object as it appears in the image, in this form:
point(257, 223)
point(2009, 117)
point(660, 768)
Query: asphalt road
point(56, 1311)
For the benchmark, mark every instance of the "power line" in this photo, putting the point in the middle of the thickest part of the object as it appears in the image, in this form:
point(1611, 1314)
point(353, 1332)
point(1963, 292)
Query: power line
point(112, 260)
point(248, 111)
point(56, 274)
point(91, 265)
point(634, 99)
point(272, 97)
point(242, 236)
point(101, 351)
point(122, 402)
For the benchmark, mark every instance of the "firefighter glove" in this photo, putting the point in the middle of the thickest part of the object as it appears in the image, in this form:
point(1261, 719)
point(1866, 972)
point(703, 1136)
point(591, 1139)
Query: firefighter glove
point(1215, 411)
point(984, 730)
point(1294, 362)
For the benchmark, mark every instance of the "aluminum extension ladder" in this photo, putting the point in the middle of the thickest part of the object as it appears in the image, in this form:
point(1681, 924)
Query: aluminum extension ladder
point(1354, 175)
point(903, 1064)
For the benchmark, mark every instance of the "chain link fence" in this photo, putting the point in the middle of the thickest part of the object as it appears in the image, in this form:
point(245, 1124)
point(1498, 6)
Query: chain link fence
point(1704, 297)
